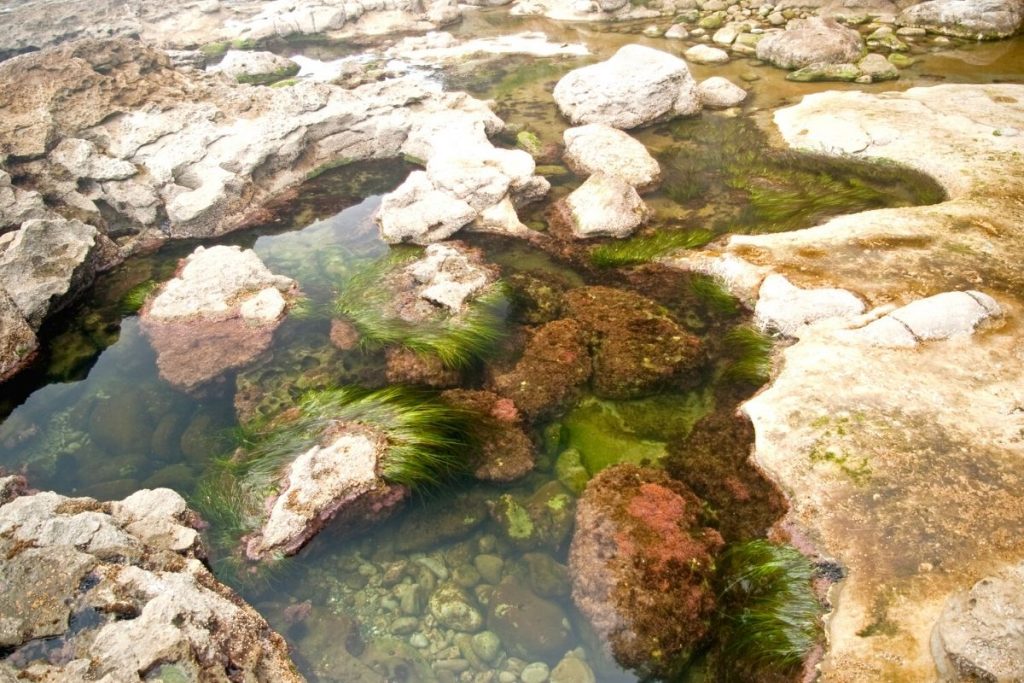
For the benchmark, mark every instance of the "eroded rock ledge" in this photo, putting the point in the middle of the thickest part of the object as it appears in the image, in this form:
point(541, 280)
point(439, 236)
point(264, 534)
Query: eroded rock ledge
point(117, 591)
point(902, 461)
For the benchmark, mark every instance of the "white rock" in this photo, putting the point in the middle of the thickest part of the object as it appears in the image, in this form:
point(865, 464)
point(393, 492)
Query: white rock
point(786, 308)
point(266, 305)
point(943, 316)
point(720, 93)
point(599, 148)
point(637, 86)
point(810, 41)
point(974, 19)
point(449, 276)
point(605, 206)
point(256, 67)
point(677, 32)
point(705, 54)
point(418, 212)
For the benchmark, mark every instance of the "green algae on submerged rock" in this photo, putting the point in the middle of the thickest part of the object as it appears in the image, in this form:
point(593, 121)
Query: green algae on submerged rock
point(541, 520)
point(641, 565)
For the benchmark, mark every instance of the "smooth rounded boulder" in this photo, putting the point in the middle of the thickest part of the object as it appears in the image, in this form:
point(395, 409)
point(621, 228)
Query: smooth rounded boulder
point(974, 19)
point(598, 148)
point(811, 41)
point(637, 86)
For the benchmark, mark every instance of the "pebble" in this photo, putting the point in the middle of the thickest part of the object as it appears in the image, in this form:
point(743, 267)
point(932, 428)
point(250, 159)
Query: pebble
point(486, 645)
point(418, 640)
point(403, 626)
point(490, 567)
point(453, 665)
point(507, 677)
point(435, 566)
point(537, 672)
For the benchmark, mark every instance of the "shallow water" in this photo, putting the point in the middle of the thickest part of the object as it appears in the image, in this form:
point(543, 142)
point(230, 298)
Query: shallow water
point(94, 418)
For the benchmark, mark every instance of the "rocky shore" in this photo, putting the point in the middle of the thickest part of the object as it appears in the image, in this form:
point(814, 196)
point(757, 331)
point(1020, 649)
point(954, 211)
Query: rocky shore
point(891, 422)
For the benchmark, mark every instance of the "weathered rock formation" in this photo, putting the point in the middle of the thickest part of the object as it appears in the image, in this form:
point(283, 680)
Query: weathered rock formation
point(641, 564)
point(603, 206)
point(218, 314)
point(811, 41)
point(118, 591)
point(974, 19)
point(637, 86)
point(598, 148)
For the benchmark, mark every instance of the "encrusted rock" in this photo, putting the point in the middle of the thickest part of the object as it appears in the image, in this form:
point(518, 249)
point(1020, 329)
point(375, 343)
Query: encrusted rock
point(218, 313)
point(18, 341)
point(641, 565)
point(637, 86)
point(721, 93)
point(974, 19)
point(811, 41)
point(504, 450)
point(258, 68)
point(597, 148)
point(603, 206)
point(129, 573)
point(978, 636)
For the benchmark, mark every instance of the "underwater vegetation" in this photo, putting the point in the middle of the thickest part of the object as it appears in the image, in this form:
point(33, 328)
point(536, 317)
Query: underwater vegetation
point(755, 189)
point(769, 617)
point(644, 248)
point(135, 298)
point(750, 355)
point(426, 446)
point(457, 340)
point(714, 295)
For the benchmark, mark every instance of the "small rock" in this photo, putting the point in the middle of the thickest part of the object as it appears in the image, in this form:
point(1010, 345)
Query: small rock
point(720, 93)
point(598, 148)
point(603, 206)
point(419, 641)
point(705, 54)
point(403, 626)
point(572, 670)
point(878, 68)
point(453, 608)
point(257, 68)
point(486, 645)
point(677, 32)
point(537, 672)
point(490, 568)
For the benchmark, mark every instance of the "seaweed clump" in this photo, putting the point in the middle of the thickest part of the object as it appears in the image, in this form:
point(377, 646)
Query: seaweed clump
point(424, 445)
point(769, 616)
point(378, 302)
point(643, 248)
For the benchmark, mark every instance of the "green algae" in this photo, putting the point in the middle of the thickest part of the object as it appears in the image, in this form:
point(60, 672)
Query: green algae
point(750, 355)
point(643, 248)
point(604, 433)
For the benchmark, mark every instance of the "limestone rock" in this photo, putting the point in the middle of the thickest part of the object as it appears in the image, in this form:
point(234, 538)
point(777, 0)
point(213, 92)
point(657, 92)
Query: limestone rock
point(943, 316)
point(18, 341)
point(255, 67)
point(720, 93)
point(641, 565)
point(705, 54)
point(46, 263)
point(217, 314)
point(810, 41)
point(596, 148)
point(974, 19)
point(339, 479)
point(978, 636)
point(637, 86)
point(420, 213)
point(784, 307)
point(77, 560)
point(603, 206)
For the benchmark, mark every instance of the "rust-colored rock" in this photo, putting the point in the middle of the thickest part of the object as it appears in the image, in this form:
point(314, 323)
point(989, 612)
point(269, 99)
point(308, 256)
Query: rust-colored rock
point(504, 451)
point(641, 563)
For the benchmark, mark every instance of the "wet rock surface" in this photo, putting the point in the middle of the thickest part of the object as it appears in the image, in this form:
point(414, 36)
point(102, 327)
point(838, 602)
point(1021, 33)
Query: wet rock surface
point(118, 589)
point(218, 314)
point(597, 148)
point(811, 41)
point(639, 561)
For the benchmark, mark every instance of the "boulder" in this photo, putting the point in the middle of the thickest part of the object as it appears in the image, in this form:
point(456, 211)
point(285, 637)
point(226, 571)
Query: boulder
point(705, 54)
point(641, 567)
point(46, 263)
point(120, 589)
point(973, 19)
point(820, 71)
point(720, 93)
point(255, 67)
point(597, 148)
point(603, 206)
point(810, 41)
point(978, 635)
point(635, 344)
point(338, 480)
point(217, 314)
point(878, 68)
point(551, 372)
point(541, 521)
point(637, 86)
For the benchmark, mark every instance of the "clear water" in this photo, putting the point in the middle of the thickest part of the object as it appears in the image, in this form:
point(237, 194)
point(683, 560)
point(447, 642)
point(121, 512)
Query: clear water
point(94, 418)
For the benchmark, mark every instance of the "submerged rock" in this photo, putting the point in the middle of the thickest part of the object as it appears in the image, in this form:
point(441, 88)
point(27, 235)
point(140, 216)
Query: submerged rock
point(529, 626)
point(720, 93)
point(973, 19)
point(217, 314)
point(120, 589)
point(977, 636)
point(811, 41)
point(637, 86)
point(641, 567)
point(504, 451)
point(603, 206)
point(542, 520)
point(635, 345)
point(597, 148)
